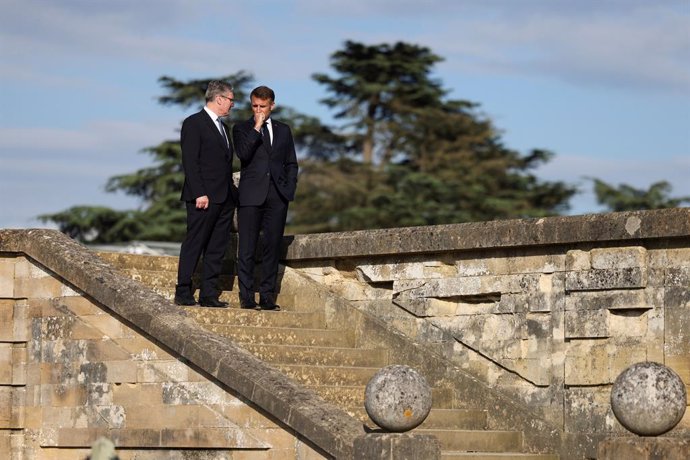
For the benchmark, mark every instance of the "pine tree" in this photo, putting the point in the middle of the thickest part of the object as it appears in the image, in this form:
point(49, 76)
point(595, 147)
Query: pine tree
point(414, 156)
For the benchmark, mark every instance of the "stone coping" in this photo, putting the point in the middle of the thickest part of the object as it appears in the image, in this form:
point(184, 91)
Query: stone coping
point(497, 234)
point(639, 448)
point(325, 425)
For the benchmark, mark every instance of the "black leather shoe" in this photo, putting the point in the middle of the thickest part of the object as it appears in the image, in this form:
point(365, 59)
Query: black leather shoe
point(249, 306)
point(269, 306)
point(212, 302)
point(185, 300)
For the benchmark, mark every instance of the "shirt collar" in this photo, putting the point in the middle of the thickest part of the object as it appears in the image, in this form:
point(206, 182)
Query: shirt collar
point(211, 113)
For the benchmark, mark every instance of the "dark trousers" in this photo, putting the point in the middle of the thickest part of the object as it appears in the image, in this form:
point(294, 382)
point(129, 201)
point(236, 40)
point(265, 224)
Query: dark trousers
point(269, 220)
point(208, 235)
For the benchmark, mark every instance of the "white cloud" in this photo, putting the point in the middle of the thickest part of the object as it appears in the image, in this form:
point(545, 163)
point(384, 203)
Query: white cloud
point(46, 170)
point(146, 33)
point(101, 135)
point(588, 42)
point(634, 42)
point(631, 47)
point(636, 172)
point(639, 173)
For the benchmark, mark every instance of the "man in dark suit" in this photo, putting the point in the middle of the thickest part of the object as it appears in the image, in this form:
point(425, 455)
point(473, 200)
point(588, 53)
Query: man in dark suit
point(208, 195)
point(268, 179)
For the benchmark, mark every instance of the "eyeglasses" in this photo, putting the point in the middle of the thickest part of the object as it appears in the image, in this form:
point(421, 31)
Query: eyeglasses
point(232, 101)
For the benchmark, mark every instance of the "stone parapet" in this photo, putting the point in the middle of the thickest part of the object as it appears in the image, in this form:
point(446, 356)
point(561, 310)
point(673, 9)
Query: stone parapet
point(498, 234)
point(547, 310)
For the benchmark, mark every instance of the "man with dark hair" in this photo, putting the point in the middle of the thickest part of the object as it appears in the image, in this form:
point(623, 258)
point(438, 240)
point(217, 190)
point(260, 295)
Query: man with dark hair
point(208, 195)
point(268, 179)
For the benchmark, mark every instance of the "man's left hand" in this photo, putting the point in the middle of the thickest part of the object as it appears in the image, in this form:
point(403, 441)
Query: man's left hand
point(202, 202)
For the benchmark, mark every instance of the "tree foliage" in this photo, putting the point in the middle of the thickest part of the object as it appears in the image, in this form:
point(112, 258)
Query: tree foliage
point(374, 90)
point(413, 156)
point(627, 198)
point(401, 153)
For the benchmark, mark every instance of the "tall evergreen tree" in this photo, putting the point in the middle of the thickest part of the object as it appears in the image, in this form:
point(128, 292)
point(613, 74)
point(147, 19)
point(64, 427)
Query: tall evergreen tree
point(416, 157)
point(375, 87)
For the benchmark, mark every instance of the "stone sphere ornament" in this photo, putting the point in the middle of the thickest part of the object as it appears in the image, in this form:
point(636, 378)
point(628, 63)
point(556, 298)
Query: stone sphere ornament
point(648, 398)
point(397, 398)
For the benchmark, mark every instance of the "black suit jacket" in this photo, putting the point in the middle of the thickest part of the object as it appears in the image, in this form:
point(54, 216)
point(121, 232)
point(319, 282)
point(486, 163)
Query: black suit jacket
point(262, 162)
point(206, 160)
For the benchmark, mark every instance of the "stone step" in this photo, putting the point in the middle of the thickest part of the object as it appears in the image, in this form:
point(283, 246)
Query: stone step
point(286, 302)
point(239, 317)
point(163, 283)
point(454, 455)
point(229, 292)
point(284, 336)
point(456, 419)
point(325, 360)
point(166, 280)
point(162, 278)
point(447, 419)
point(136, 262)
point(476, 440)
point(329, 375)
point(160, 274)
point(353, 396)
point(323, 356)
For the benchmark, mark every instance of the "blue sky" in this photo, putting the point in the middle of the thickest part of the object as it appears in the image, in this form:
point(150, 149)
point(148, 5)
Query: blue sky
point(604, 84)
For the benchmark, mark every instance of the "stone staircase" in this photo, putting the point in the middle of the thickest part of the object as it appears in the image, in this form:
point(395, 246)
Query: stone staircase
point(329, 360)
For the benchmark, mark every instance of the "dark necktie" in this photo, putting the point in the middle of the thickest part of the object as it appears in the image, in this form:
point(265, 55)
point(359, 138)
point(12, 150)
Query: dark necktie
point(222, 131)
point(265, 133)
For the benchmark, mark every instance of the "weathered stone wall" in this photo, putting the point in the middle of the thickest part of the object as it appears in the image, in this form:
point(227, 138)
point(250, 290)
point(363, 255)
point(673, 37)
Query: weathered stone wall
point(72, 372)
point(549, 310)
point(126, 363)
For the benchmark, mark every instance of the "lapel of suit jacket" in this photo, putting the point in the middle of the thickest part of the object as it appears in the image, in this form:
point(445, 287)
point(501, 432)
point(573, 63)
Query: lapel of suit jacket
point(213, 124)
